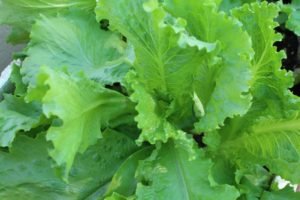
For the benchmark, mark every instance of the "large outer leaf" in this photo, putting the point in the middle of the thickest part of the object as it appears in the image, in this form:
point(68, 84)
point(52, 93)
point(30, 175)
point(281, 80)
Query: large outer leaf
point(166, 57)
point(21, 14)
point(83, 106)
point(221, 84)
point(267, 134)
point(258, 21)
point(270, 83)
point(75, 42)
point(274, 143)
point(169, 175)
point(159, 59)
point(26, 172)
point(16, 115)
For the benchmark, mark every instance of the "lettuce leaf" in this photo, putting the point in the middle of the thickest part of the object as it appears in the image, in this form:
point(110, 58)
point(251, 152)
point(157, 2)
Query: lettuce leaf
point(286, 193)
point(124, 181)
point(222, 81)
point(272, 143)
point(26, 171)
point(271, 96)
point(17, 115)
point(76, 43)
point(294, 17)
point(83, 108)
point(162, 99)
point(151, 119)
point(166, 55)
point(227, 5)
point(21, 14)
point(169, 174)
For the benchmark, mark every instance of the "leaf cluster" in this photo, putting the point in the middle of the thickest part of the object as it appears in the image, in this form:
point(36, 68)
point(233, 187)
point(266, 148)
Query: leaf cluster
point(148, 99)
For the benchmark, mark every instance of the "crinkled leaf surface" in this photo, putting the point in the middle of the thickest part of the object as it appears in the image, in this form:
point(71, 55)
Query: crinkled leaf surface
point(17, 115)
point(82, 105)
point(271, 142)
point(75, 42)
point(155, 41)
point(192, 62)
point(26, 172)
point(258, 21)
point(270, 83)
point(268, 134)
point(170, 174)
point(222, 81)
point(152, 120)
point(166, 56)
point(21, 14)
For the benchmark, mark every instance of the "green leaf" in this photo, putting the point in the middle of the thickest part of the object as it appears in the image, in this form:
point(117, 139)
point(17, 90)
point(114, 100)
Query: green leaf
point(16, 115)
point(271, 142)
point(21, 14)
point(258, 21)
point(155, 41)
point(76, 43)
point(286, 193)
point(152, 120)
point(170, 174)
point(84, 108)
point(269, 86)
point(253, 181)
point(124, 181)
point(16, 78)
point(222, 171)
point(294, 17)
point(223, 79)
point(227, 5)
point(26, 172)
point(166, 55)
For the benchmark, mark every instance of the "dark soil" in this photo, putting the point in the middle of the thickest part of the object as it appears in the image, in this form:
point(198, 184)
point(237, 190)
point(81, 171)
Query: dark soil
point(291, 45)
point(287, 1)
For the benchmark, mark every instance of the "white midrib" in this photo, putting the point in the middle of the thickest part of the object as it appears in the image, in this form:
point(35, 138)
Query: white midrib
point(155, 54)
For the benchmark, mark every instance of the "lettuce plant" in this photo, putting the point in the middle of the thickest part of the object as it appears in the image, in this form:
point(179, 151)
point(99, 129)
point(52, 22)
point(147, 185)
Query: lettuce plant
point(148, 99)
